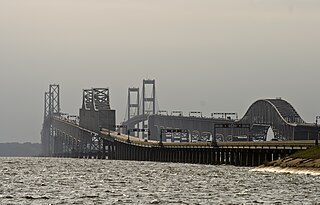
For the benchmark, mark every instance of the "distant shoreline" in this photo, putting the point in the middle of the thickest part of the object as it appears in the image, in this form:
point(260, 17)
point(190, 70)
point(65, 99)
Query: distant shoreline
point(15, 149)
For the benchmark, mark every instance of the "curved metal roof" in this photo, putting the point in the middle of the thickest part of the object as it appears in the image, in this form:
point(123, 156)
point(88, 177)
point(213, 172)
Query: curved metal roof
point(283, 109)
point(286, 110)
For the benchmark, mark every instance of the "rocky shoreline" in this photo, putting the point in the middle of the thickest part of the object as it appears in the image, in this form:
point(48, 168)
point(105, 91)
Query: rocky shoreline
point(303, 162)
point(289, 162)
point(292, 165)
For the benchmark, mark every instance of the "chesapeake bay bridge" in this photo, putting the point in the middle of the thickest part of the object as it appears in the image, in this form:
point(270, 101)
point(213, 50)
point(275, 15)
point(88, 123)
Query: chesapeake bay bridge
point(148, 134)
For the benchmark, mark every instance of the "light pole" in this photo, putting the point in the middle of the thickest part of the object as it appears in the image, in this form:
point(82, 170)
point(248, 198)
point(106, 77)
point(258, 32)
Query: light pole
point(214, 139)
point(161, 131)
point(317, 118)
point(317, 140)
point(128, 131)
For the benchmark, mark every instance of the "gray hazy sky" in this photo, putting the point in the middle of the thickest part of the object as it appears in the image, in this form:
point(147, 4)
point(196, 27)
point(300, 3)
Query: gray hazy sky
point(206, 55)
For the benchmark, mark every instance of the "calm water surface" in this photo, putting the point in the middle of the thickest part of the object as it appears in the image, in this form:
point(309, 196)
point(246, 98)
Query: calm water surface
point(83, 181)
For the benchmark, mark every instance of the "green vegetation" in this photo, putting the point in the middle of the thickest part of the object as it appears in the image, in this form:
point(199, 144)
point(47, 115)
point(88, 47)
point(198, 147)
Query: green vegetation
point(311, 153)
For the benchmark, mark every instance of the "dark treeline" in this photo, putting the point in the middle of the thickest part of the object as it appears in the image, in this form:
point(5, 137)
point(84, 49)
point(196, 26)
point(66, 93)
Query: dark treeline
point(19, 149)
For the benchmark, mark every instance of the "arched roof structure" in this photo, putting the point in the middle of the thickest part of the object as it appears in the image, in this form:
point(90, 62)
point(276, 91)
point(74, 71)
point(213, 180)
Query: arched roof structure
point(266, 108)
point(277, 113)
point(286, 110)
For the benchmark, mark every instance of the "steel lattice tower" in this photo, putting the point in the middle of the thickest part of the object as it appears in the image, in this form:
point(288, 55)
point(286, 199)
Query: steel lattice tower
point(51, 108)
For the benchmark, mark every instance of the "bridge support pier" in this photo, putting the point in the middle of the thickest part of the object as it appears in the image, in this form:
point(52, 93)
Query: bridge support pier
point(218, 156)
point(255, 158)
point(250, 157)
point(222, 156)
point(213, 156)
point(227, 160)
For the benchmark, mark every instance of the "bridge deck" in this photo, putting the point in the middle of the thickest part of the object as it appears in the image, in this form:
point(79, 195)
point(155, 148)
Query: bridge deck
point(250, 144)
point(77, 141)
point(297, 144)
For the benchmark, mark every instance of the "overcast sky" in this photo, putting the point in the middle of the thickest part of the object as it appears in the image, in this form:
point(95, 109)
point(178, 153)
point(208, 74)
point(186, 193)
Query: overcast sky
point(206, 55)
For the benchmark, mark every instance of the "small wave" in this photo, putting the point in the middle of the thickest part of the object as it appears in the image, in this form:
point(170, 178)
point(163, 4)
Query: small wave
point(90, 196)
point(7, 197)
point(36, 197)
point(287, 170)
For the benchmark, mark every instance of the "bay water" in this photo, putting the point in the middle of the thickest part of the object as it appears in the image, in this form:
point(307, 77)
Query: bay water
point(92, 181)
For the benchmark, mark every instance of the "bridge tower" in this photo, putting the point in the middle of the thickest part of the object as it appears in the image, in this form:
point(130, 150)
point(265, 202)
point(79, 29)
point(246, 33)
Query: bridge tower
point(133, 103)
point(141, 108)
point(51, 108)
point(54, 105)
point(87, 101)
point(148, 99)
point(101, 98)
point(96, 112)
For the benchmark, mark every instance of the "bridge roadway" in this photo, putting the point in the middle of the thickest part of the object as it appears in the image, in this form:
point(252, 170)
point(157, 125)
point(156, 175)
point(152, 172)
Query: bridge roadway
point(114, 146)
point(230, 153)
point(301, 144)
